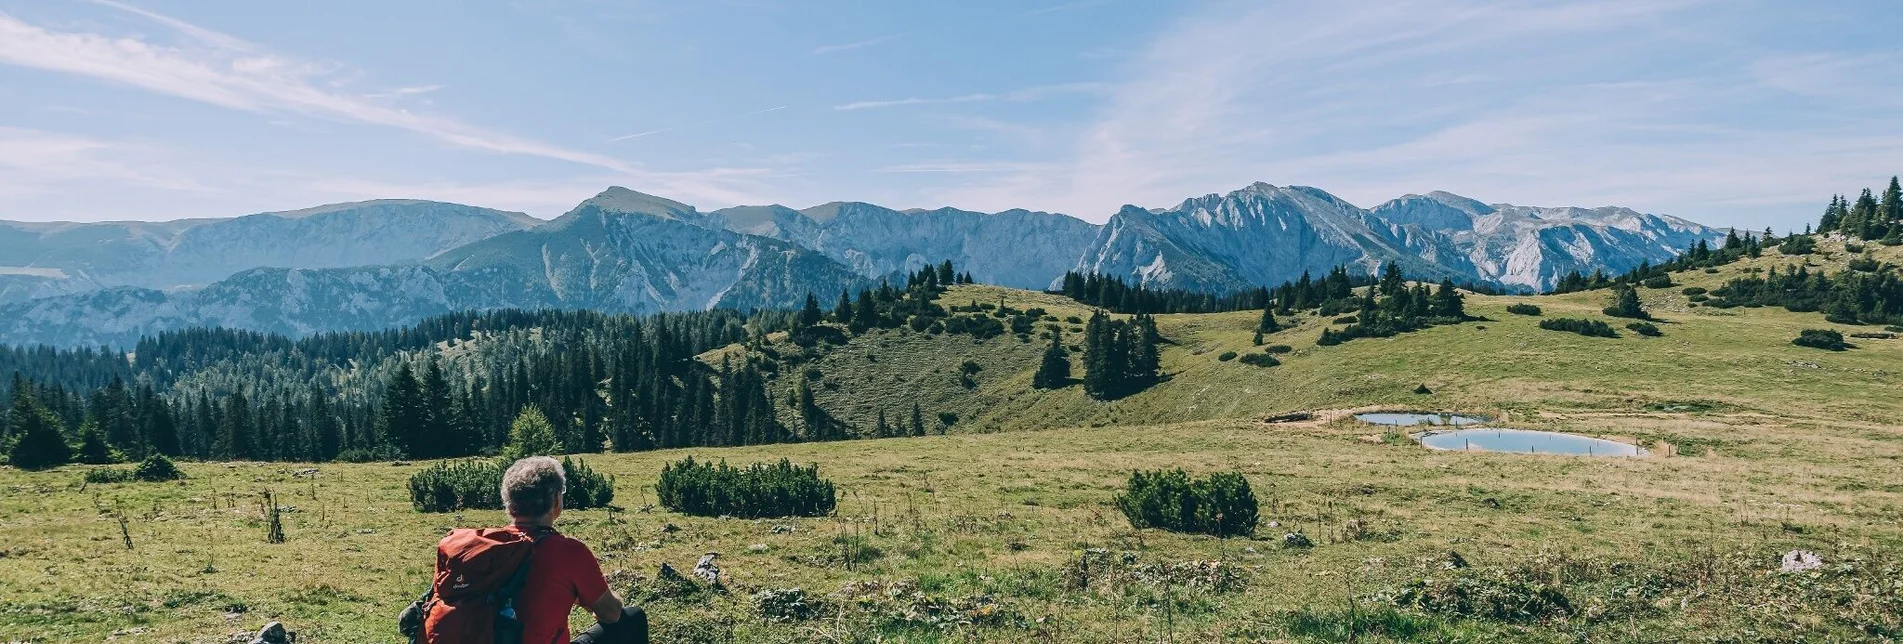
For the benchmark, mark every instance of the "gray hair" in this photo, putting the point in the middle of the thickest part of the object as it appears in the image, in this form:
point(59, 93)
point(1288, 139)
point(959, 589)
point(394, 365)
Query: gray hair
point(532, 486)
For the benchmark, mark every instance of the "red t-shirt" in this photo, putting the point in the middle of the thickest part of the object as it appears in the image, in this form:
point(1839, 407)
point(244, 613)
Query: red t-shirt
point(564, 574)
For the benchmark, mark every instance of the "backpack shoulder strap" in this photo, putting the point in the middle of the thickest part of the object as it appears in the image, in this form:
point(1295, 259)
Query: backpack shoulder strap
point(506, 594)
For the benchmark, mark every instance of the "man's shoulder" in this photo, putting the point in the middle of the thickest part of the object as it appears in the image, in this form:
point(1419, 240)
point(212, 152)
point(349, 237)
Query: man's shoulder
point(555, 542)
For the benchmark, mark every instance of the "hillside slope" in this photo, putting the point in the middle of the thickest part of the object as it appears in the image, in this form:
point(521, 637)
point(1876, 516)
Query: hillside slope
point(1707, 358)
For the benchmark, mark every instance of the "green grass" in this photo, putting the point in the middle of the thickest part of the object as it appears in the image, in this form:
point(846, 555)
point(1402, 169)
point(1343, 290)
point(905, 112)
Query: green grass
point(1005, 529)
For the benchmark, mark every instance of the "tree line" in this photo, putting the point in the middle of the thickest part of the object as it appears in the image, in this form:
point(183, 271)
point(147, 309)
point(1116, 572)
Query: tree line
point(1868, 217)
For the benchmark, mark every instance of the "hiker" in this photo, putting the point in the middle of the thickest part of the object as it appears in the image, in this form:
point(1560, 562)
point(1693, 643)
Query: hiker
point(526, 577)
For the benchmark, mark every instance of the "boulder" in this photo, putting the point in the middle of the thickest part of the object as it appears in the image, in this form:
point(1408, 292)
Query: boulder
point(1800, 561)
point(274, 633)
point(706, 570)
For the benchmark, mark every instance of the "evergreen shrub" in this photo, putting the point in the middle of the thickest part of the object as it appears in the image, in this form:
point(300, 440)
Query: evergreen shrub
point(1260, 360)
point(1524, 309)
point(756, 491)
point(1591, 328)
point(1827, 339)
point(1220, 505)
point(449, 486)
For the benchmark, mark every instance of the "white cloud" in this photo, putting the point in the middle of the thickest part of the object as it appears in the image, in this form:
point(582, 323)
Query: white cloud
point(228, 72)
point(871, 105)
point(833, 49)
point(1538, 103)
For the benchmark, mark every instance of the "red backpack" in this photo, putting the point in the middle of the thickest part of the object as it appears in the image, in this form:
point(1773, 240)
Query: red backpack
point(472, 600)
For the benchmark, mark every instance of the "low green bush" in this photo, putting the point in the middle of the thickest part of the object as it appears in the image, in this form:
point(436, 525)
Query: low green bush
point(1826, 339)
point(1523, 309)
point(1259, 360)
point(108, 475)
point(1646, 329)
point(1278, 348)
point(1658, 281)
point(1227, 356)
point(756, 491)
point(154, 469)
point(1590, 328)
point(1221, 505)
point(449, 486)
point(1694, 290)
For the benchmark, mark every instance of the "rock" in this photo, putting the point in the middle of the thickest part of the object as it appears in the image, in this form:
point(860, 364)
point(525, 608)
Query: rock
point(1296, 540)
point(399, 463)
point(306, 472)
point(706, 570)
point(782, 529)
point(274, 633)
point(1800, 561)
point(1455, 561)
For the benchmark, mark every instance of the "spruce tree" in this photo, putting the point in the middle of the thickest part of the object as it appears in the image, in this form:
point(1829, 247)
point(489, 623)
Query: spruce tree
point(1268, 324)
point(842, 312)
point(233, 440)
point(438, 435)
point(865, 314)
point(531, 435)
point(1054, 371)
point(93, 449)
point(1447, 301)
point(809, 314)
point(918, 421)
point(1626, 304)
point(402, 416)
point(39, 444)
point(881, 430)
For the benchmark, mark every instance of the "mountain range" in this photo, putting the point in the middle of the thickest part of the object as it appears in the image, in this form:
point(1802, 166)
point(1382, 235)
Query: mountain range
point(377, 264)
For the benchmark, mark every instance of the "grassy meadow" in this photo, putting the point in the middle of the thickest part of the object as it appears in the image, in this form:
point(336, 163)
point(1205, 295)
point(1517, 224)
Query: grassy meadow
point(1004, 530)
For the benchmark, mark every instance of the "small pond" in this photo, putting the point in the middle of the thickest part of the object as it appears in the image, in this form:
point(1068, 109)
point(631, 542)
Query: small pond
point(1391, 419)
point(1525, 442)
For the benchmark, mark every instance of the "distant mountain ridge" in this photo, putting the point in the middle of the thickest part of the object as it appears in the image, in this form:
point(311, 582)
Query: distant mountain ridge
point(42, 259)
point(375, 264)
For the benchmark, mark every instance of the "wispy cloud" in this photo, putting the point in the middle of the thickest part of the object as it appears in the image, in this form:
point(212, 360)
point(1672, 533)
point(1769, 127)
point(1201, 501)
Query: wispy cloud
point(834, 49)
point(873, 105)
point(1078, 4)
point(955, 167)
point(1418, 96)
point(1038, 93)
point(229, 72)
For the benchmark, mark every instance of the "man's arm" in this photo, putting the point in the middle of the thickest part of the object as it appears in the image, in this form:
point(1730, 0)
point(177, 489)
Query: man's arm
point(607, 610)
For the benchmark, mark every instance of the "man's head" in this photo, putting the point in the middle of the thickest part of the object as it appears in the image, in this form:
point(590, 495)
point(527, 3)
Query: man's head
point(532, 488)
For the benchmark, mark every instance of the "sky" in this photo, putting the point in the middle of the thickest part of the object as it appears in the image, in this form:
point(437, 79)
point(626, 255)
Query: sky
point(1746, 113)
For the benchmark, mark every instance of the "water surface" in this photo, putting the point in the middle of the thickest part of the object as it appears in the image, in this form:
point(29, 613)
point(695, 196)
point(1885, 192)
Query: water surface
point(1525, 441)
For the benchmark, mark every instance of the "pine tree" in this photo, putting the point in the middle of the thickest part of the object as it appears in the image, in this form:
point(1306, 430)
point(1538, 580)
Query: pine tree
point(865, 314)
point(1054, 371)
point(1626, 304)
point(39, 444)
point(842, 312)
point(946, 276)
point(1447, 301)
point(1100, 377)
point(1391, 280)
point(439, 434)
point(531, 435)
point(809, 313)
point(402, 418)
point(882, 430)
point(233, 440)
point(93, 449)
point(918, 421)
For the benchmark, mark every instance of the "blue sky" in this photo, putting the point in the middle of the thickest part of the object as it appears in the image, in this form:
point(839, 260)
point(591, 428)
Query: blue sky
point(1728, 112)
